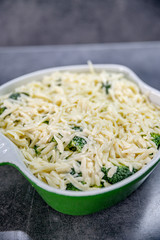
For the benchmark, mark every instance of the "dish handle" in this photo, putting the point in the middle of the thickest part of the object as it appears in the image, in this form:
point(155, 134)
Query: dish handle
point(154, 94)
point(8, 151)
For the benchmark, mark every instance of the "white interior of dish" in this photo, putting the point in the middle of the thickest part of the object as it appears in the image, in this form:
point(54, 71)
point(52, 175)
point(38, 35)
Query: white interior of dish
point(153, 94)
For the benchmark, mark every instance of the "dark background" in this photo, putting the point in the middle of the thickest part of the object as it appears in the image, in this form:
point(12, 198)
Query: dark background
point(47, 22)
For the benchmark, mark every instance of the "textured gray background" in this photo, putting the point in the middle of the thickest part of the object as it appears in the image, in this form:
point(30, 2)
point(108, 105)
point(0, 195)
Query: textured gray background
point(47, 22)
point(21, 208)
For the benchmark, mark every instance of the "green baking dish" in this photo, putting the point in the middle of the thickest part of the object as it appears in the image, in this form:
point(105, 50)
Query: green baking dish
point(70, 202)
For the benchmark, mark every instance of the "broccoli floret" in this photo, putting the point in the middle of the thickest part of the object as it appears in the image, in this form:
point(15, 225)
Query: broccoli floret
point(71, 187)
point(122, 173)
point(2, 109)
point(156, 139)
point(53, 140)
point(73, 172)
point(15, 96)
point(36, 150)
point(46, 122)
point(106, 86)
point(83, 182)
point(77, 128)
point(76, 144)
point(79, 174)
point(101, 185)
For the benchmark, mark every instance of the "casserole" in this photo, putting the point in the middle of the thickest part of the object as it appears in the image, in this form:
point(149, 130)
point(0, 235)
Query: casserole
point(81, 203)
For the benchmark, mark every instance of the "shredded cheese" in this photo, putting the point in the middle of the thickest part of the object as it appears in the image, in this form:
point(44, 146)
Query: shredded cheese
point(69, 125)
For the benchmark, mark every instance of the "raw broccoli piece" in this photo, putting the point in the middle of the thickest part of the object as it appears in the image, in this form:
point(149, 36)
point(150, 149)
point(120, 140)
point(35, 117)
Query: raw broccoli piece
point(71, 187)
point(77, 128)
point(101, 185)
point(73, 172)
point(106, 86)
point(36, 150)
point(156, 139)
point(15, 96)
point(122, 173)
point(2, 109)
point(46, 122)
point(76, 144)
point(53, 140)
point(83, 182)
point(79, 174)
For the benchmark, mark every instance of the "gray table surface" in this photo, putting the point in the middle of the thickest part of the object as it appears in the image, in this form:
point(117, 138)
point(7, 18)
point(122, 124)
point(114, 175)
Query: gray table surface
point(22, 211)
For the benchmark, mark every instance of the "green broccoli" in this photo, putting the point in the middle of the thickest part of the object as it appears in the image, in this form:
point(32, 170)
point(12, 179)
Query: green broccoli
point(2, 109)
point(101, 184)
point(79, 174)
point(156, 139)
point(73, 172)
point(76, 144)
point(122, 173)
point(46, 122)
point(15, 96)
point(53, 140)
point(77, 128)
point(71, 187)
point(83, 182)
point(36, 150)
point(106, 86)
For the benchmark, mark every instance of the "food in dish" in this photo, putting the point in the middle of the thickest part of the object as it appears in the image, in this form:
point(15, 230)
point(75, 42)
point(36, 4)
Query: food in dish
point(82, 131)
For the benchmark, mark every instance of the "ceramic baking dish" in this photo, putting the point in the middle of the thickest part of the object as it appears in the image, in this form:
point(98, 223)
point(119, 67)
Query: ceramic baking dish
point(70, 202)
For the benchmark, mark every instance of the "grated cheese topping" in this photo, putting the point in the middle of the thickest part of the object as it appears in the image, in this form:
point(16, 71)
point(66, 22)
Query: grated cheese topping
point(70, 125)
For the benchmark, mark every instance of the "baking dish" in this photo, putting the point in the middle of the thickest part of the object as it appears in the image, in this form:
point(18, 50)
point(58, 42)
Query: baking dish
point(70, 202)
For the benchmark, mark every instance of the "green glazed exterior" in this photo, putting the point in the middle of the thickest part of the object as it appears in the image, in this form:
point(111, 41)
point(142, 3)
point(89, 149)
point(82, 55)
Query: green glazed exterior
point(83, 205)
point(88, 204)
